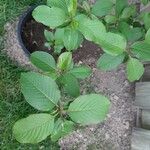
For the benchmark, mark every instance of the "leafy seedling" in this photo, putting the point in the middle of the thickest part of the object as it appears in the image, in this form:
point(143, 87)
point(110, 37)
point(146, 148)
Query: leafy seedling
point(64, 72)
point(57, 119)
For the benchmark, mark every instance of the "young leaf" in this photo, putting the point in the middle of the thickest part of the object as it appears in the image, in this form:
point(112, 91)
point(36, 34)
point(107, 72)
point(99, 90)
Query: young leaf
point(146, 20)
point(110, 19)
point(131, 34)
point(135, 69)
point(61, 129)
point(89, 109)
point(112, 43)
point(128, 12)
point(102, 7)
point(90, 28)
point(44, 61)
point(65, 61)
point(58, 3)
point(40, 91)
point(141, 50)
point(109, 62)
point(71, 85)
point(34, 128)
point(51, 17)
point(120, 5)
point(48, 35)
point(147, 37)
point(72, 39)
point(81, 72)
point(58, 36)
point(145, 2)
point(72, 7)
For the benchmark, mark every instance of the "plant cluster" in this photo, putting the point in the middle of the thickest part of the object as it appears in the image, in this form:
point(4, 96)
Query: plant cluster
point(118, 28)
point(45, 92)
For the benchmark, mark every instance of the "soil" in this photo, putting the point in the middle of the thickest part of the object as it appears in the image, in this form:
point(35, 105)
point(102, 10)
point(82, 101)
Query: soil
point(34, 40)
point(33, 36)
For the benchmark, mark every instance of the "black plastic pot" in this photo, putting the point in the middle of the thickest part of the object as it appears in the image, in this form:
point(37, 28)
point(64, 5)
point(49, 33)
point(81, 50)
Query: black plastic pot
point(26, 16)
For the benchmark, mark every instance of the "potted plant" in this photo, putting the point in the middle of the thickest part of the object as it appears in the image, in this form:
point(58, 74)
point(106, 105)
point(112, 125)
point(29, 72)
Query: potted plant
point(117, 27)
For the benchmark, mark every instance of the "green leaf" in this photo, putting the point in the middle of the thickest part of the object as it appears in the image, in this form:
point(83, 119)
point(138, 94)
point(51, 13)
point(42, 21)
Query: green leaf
point(61, 129)
point(48, 35)
point(59, 44)
point(51, 17)
point(135, 69)
point(71, 85)
point(128, 12)
point(120, 5)
point(109, 62)
point(72, 7)
point(110, 19)
point(89, 109)
point(146, 20)
point(58, 48)
point(86, 6)
point(81, 72)
point(141, 50)
point(90, 28)
point(65, 61)
point(145, 2)
point(34, 128)
point(72, 39)
point(58, 3)
point(40, 91)
point(112, 43)
point(102, 7)
point(59, 34)
point(147, 37)
point(131, 34)
point(94, 30)
point(43, 60)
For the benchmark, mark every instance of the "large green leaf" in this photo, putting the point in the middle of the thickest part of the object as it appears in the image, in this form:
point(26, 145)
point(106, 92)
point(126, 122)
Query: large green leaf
point(34, 128)
point(40, 91)
point(58, 3)
point(131, 34)
point(81, 72)
point(112, 43)
point(141, 50)
point(109, 62)
point(90, 28)
point(65, 61)
point(102, 7)
point(147, 37)
point(51, 17)
point(135, 69)
point(94, 30)
point(120, 5)
point(72, 39)
point(61, 129)
point(43, 60)
point(89, 109)
point(71, 85)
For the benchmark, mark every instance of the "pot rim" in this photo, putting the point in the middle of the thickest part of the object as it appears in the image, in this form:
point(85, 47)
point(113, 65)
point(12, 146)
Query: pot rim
point(22, 20)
